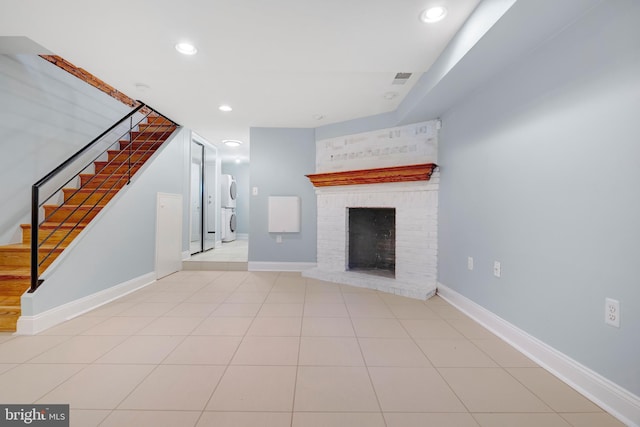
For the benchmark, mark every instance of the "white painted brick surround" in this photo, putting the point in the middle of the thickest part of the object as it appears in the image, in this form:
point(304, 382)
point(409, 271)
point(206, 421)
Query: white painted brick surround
point(416, 205)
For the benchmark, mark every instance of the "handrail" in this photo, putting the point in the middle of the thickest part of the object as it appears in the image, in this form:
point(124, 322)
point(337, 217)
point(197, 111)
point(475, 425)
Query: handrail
point(70, 160)
point(36, 203)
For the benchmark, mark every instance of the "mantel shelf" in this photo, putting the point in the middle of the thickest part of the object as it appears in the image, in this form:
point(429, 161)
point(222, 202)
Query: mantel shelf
point(421, 172)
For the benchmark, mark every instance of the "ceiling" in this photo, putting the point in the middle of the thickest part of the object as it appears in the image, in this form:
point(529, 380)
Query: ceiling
point(278, 63)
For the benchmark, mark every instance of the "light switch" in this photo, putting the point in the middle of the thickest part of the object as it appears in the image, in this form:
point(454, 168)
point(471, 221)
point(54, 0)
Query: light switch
point(254, 191)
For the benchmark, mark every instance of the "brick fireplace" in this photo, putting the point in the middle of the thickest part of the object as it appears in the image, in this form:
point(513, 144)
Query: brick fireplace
point(415, 205)
point(384, 171)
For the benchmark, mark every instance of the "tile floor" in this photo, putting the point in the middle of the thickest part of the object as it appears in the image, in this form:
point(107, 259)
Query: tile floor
point(275, 349)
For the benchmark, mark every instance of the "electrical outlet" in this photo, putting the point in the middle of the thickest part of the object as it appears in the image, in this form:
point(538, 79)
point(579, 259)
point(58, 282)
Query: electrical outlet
point(470, 263)
point(612, 312)
point(278, 238)
point(497, 268)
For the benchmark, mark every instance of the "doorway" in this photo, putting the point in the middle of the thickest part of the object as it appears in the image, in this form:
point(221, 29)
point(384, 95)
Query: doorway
point(197, 198)
point(204, 196)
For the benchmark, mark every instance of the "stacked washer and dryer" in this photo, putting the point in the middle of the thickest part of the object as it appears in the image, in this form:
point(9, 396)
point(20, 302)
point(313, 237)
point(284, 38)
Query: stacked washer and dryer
point(229, 192)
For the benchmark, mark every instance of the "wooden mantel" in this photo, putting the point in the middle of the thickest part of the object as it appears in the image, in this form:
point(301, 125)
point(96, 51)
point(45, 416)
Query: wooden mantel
point(407, 173)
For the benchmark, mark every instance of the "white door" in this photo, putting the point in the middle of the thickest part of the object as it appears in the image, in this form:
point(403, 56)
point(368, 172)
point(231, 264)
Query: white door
point(168, 234)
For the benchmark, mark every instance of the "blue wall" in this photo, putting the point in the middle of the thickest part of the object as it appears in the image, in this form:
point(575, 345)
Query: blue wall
point(280, 159)
point(540, 170)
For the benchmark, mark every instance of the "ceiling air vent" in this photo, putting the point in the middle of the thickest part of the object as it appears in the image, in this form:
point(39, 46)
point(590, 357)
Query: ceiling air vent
point(401, 78)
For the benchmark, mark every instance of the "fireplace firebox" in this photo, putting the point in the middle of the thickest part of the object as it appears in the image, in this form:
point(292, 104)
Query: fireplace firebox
point(372, 241)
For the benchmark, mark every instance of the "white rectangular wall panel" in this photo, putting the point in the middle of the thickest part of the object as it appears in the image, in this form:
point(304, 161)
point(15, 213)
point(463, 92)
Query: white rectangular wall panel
point(284, 214)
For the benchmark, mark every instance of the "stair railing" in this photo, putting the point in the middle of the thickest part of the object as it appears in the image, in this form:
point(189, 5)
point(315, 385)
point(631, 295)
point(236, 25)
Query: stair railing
point(124, 130)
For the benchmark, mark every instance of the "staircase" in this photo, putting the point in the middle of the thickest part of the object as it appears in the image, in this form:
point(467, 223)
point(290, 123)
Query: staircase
point(62, 223)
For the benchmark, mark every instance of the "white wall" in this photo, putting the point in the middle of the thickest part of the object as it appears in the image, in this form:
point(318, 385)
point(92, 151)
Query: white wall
point(540, 170)
point(46, 115)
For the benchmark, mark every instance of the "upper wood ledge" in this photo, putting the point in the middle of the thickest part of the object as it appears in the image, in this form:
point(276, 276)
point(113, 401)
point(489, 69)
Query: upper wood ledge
point(421, 172)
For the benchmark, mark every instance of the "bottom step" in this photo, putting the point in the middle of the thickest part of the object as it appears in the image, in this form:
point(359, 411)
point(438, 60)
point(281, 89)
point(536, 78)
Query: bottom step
point(9, 313)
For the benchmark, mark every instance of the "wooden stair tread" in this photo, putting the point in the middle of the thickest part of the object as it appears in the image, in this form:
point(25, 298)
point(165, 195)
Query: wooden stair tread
point(54, 225)
point(104, 175)
point(69, 206)
point(126, 152)
point(105, 163)
point(15, 272)
point(18, 247)
point(89, 190)
point(150, 141)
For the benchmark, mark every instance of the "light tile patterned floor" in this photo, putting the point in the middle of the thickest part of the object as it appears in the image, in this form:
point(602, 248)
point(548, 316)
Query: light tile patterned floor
point(242, 349)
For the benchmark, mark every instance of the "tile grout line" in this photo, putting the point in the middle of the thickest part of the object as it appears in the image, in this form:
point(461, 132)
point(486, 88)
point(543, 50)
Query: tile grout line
point(431, 362)
point(364, 361)
point(295, 381)
point(156, 366)
point(226, 368)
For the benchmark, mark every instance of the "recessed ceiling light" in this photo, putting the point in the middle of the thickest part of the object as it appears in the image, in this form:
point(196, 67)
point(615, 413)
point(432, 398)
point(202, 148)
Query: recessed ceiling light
point(186, 48)
point(225, 108)
point(232, 142)
point(433, 14)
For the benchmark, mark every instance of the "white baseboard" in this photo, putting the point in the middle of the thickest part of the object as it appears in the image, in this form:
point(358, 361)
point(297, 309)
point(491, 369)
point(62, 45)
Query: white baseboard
point(280, 266)
point(30, 325)
point(616, 400)
point(186, 255)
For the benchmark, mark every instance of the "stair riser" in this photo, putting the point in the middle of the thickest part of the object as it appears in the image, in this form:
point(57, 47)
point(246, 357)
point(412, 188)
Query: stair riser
point(67, 215)
point(14, 287)
point(100, 196)
point(9, 321)
point(23, 258)
point(116, 168)
point(141, 146)
point(123, 156)
point(157, 120)
point(162, 134)
point(155, 127)
point(111, 184)
point(52, 238)
point(88, 179)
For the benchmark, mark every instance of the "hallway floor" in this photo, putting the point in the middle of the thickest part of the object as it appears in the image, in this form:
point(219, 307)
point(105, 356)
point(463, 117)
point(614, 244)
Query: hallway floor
point(230, 256)
point(214, 348)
